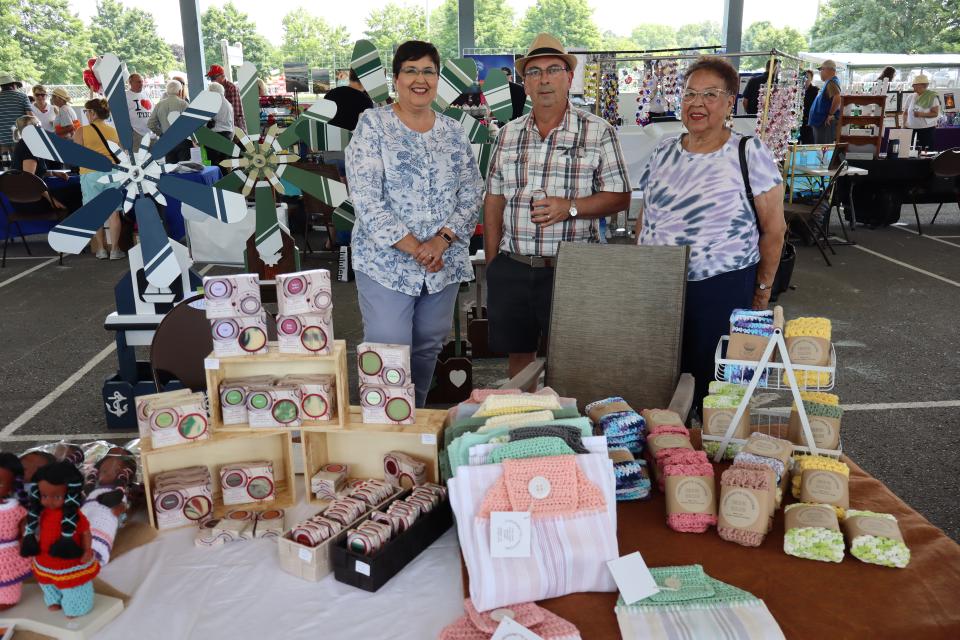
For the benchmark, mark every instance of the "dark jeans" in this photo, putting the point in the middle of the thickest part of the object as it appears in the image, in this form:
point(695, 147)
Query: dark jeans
point(706, 318)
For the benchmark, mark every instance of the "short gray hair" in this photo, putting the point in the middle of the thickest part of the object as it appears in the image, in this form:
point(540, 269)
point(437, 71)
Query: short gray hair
point(216, 87)
point(174, 87)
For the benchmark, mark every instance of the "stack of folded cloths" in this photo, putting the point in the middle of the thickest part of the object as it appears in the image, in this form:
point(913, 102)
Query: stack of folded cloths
point(812, 532)
point(720, 388)
point(752, 323)
point(665, 440)
point(875, 538)
point(810, 328)
point(805, 470)
point(689, 483)
point(776, 465)
point(482, 626)
point(723, 395)
point(744, 505)
point(633, 479)
point(823, 405)
point(616, 420)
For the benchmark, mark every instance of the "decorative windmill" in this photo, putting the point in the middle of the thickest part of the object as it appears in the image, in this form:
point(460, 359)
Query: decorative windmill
point(257, 163)
point(142, 179)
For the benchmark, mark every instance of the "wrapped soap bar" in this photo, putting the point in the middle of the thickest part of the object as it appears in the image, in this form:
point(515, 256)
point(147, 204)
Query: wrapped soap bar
point(318, 397)
point(304, 292)
point(329, 480)
point(233, 397)
point(240, 336)
point(381, 404)
point(403, 470)
point(383, 364)
point(273, 406)
point(310, 334)
point(245, 482)
point(180, 419)
point(232, 296)
point(182, 496)
point(144, 402)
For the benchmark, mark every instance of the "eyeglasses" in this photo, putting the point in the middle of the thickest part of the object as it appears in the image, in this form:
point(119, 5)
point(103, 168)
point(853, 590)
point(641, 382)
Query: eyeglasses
point(534, 73)
point(39, 95)
point(709, 95)
point(412, 72)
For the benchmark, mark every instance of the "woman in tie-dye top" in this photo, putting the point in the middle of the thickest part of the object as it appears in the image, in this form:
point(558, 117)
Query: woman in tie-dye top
point(693, 195)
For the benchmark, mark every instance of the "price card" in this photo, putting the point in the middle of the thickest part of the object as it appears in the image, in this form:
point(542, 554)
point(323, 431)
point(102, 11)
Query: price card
point(510, 534)
point(510, 629)
point(633, 578)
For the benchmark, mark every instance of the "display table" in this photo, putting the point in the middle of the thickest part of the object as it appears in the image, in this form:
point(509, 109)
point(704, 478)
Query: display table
point(878, 197)
point(946, 138)
point(173, 214)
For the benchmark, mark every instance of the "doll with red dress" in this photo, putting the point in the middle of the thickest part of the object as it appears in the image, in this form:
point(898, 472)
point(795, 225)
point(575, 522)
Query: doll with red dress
point(57, 537)
point(14, 568)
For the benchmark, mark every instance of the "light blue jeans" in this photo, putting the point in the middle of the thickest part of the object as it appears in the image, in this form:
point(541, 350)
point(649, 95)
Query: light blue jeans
point(423, 322)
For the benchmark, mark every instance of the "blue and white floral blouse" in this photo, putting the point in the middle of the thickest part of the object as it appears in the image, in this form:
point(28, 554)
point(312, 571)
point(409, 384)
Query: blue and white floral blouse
point(405, 182)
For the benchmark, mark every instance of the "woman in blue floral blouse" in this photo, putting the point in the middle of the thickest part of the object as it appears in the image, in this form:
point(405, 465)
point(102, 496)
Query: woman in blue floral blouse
point(416, 190)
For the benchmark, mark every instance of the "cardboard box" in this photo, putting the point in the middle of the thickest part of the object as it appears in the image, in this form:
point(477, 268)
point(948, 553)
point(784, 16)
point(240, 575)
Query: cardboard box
point(382, 404)
point(310, 333)
point(143, 408)
point(304, 292)
point(240, 336)
point(232, 296)
point(716, 421)
point(245, 482)
point(808, 351)
point(273, 407)
point(383, 364)
point(182, 497)
point(318, 395)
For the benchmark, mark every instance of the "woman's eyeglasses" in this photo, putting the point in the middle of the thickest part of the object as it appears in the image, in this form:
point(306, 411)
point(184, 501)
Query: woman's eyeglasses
point(535, 73)
point(412, 72)
point(710, 95)
point(39, 95)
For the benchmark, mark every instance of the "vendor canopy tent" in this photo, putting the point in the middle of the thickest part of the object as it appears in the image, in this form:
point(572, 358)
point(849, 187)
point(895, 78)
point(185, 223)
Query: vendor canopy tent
point(857, 60)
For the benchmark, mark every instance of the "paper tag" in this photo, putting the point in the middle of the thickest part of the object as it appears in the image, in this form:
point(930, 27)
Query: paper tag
point(872, 526)
point(428, 438)
point(811, 515)
point(211, 364)
point(746, 509)
point(362, 567)
point(633, 578)
point(686, 494)
point(510, 629)
point(305, 555)
point(510, 534)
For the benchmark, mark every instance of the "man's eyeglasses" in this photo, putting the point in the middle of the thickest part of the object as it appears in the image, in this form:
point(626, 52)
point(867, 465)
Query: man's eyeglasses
point(710, 95)
point(535, 73)
point(412, 72)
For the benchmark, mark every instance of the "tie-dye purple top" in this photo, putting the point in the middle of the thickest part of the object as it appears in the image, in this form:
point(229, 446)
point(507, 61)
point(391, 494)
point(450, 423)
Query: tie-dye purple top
point(698, 199)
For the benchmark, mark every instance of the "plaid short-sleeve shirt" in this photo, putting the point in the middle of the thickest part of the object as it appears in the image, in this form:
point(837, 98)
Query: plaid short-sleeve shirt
point(582, 156)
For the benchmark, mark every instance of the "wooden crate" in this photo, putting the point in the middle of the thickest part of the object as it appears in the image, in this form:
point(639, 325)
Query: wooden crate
point(221, 449)
point(274, 363)
point(362, 446)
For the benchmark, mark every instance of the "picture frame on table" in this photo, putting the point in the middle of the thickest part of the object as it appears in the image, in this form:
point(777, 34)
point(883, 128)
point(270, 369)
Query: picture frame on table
point(949, 102)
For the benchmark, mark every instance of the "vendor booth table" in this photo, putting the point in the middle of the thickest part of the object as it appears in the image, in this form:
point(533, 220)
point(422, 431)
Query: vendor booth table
point(173, 214)
point(878, 196)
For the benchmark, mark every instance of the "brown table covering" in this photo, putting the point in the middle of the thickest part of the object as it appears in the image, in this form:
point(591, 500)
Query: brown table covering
point(809, 599)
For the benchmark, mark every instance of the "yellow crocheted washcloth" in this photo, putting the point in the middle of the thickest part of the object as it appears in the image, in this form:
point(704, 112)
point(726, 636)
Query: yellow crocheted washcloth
point(519, 403)
point(811, 378)
point(802, 463)
point(808, 327)
point(513, 420)
point(819, 396)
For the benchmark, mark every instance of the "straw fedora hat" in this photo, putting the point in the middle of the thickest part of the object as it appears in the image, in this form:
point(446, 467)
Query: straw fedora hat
point(61, 93)
point(921, 79)
point(546, 45)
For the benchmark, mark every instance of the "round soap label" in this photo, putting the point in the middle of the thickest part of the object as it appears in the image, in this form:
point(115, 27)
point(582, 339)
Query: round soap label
point(718, 422)
point(233, 397)
point(694, 495)
point(295, 286)
point(764, 447)
point(816, 517)
point(314, 338)
point(671, 440)
point(824, 486)
point(259, 401)
point(539, 487)
point(398, 409)
point(164, 419)
point(740, 508)
point(824, 433)
point(806, 350)
point(253, 339)
point(393, 376)
point(370, 363)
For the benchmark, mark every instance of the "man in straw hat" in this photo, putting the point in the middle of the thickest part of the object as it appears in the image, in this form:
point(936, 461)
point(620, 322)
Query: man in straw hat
point(826, 106)
point(553, 173)
point(67, 121)
point(13, 104)
point(922, 108)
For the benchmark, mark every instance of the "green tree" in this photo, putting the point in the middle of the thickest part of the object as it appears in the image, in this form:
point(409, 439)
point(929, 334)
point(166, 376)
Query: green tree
point(654, 36)
point(308, 38)
point(569, 20)
point(53, 38)
point(495, 27)
point(893, 26)
point(12, 57)
point(700, 34)
point(132, 35)
point(393, 25)
point(763, 36)
point(235, 26)
point(176, 50)
point(610, 41)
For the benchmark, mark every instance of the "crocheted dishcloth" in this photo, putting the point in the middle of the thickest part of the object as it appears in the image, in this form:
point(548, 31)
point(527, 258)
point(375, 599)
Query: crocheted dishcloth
point(727, 401)
point(690, 522)
point(748, 479)
point(765, 468)
point(622, 423)
point(464, 425)
point(819, 396)
point(878, 549)
point(668, 428)
point(678, 456)
point(477, 396)
point(633, 480)
point(696, 590)
point(481, 626)
point(813, 378)
point(599, 403)
point(711, 447)
point(802, 463)
point(570, 491)
point(813, 543)
point(824, 410)
point(808, 327)
point(498, 405)
point(541, 447)
point(570, 435)
point(720, 388)
point(516, 420)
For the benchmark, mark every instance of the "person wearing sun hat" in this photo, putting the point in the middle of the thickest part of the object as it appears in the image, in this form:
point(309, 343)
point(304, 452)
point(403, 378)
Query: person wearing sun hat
point(553, 174)
point(13, 104)
point(230, 92)
point(67, 121)
point(826, 106)
point(922, 108)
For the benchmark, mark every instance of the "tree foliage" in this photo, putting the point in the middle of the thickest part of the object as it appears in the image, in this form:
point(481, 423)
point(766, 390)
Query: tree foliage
point(308, 38)
point(394, 24)
point(763, 36)
point(494, 27)
point(235, 26)
point(569, 20)
point(654, 36)
point(132, 35)
point(700, 34)
point(891, 26)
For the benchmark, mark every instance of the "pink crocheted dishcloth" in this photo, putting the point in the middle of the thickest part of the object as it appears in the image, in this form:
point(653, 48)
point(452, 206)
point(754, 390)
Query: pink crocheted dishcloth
point(678, 456)
point(481, 626)
point(690, 522)
point(749, 479)
point(570, 490)
point(668, 428)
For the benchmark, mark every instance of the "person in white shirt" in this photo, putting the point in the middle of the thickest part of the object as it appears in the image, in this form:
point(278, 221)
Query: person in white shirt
point(222, 123)
point(67, 121)
point(45, 112)
point(923, 109)
point(139, 107)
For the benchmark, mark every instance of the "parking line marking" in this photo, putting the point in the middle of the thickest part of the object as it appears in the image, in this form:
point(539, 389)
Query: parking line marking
point(908, 266)
point(44, 437)
point(27, 272)
point(937, 238)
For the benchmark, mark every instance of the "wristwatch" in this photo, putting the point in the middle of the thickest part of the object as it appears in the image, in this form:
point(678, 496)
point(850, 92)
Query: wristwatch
point(573, 209)
point(446, 236)
point(763, 286)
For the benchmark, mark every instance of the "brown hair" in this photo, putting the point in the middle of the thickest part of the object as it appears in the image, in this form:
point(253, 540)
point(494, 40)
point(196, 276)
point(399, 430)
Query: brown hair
point(719, 66)
point(99, 106)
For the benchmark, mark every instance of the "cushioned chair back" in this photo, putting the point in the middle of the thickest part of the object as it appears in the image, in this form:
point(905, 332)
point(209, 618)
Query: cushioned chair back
point(22, 187)
point(617, 322)
point(947, 164)
point(181, 343)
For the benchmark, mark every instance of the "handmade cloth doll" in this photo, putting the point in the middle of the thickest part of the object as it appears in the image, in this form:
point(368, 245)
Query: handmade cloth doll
point(14, 568)
point(57, 537)
point(32, 459)
point(107, 504)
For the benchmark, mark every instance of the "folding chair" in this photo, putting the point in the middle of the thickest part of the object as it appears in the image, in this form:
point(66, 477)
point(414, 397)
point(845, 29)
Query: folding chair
point(27, 190)
point(816, 219)
point(947, 165)
point(588, 356)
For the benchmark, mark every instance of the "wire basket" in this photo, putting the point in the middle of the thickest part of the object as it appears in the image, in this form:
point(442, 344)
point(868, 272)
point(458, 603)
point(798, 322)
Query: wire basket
point(774, 375)
point(771, 422)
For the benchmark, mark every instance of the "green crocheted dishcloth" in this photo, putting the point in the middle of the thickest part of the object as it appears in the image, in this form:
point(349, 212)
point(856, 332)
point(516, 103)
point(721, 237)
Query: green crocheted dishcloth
point(720, 388)
point(688, 587)
point(823, 410)
point(721, 402)
point(531, 448)
point(472, 424)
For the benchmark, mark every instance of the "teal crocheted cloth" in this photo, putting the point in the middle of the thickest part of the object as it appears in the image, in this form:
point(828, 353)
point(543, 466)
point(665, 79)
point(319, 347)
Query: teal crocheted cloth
point(460, 427)
point(531, 448)
point(688, 587)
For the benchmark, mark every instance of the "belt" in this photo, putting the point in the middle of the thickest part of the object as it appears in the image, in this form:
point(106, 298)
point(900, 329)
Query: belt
point(535, 262)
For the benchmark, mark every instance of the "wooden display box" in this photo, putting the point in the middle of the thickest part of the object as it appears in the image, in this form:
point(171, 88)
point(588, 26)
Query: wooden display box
point(362, 446)
point(274, 363)
point(226, 448)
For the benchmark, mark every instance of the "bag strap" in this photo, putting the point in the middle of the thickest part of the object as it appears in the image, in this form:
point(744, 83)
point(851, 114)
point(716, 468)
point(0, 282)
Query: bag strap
point(745, 172)
point(106, 146)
